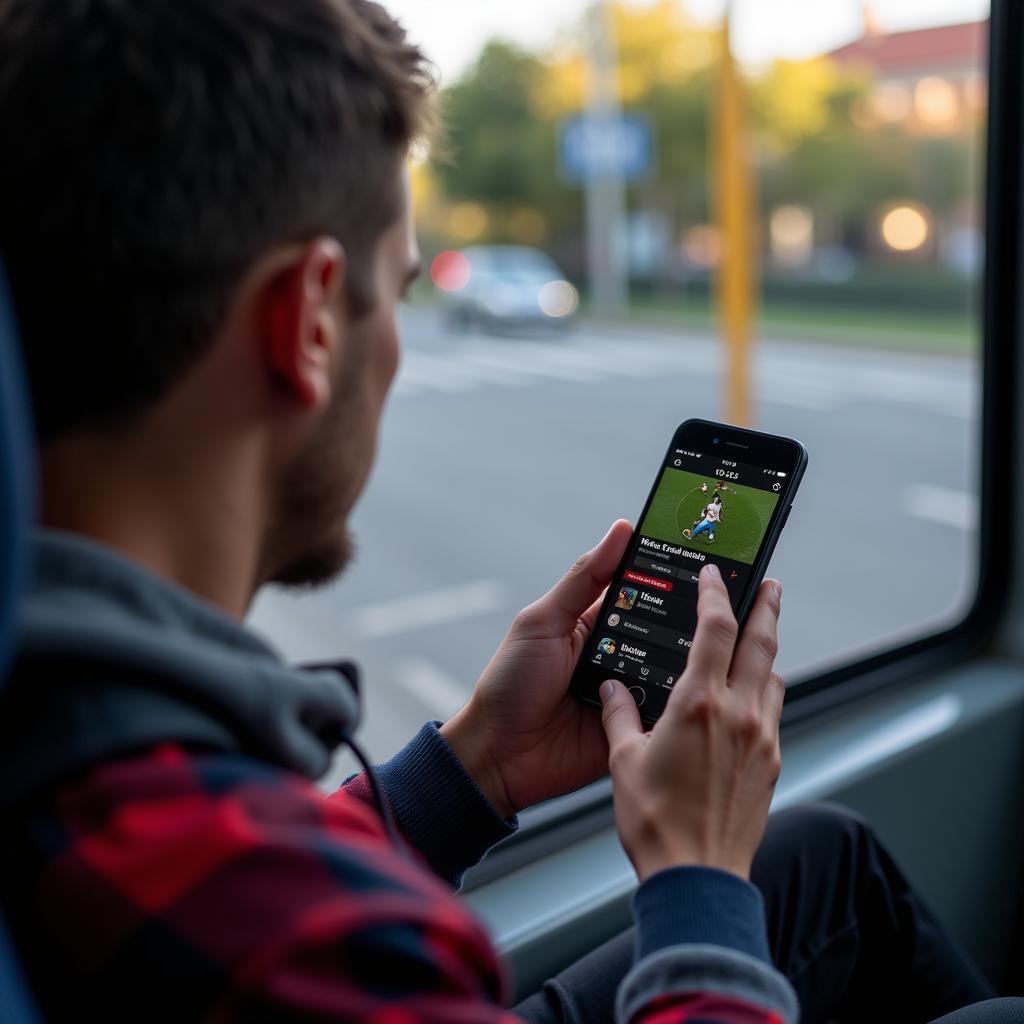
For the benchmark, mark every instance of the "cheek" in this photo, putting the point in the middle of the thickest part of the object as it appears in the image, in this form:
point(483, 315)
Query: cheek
point(386, 354)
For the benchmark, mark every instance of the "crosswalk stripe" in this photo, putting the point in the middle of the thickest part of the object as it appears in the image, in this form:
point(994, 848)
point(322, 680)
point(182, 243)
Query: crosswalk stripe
point(476, 362)
point(438, 374)
point(942, 505)
point(421, 611)
point(509, 362)
point(579, 363)
point(440, 693)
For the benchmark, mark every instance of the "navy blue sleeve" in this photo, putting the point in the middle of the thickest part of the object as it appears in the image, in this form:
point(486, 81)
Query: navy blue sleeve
point(442, 811)
point(699, 906)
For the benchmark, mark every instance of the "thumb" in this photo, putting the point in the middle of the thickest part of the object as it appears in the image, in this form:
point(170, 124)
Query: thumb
point(561, 607)
point(619, 714)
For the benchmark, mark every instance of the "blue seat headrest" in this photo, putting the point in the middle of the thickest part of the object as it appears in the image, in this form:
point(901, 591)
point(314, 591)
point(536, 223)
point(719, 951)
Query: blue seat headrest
point(17, 488)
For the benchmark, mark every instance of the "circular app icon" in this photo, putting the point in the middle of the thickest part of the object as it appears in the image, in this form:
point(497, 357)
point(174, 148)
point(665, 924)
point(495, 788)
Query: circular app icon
point(613, 620)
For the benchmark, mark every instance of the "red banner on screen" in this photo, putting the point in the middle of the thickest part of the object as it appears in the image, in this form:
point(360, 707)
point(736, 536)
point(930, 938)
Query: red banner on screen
point(648, 581)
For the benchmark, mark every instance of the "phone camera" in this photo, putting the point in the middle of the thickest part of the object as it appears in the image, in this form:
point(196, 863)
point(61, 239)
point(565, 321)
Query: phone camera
point(716, 440)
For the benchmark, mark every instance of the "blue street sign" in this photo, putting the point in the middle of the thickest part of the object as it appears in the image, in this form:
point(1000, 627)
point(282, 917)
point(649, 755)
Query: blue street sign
point(592, 148)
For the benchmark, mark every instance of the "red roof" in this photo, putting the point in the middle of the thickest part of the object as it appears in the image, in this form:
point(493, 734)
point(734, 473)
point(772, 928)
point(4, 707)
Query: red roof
point(920, 51)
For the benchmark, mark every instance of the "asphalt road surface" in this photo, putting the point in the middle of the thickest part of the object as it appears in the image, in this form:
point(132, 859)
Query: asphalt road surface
point(502, 459)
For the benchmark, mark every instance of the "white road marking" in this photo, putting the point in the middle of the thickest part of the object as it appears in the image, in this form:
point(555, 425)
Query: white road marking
point(433, 608)
point(579, 363)
point(439, 692)
point(942, 505)
point(823, 383)
point(429, 372)
point(799, 396)
point(827, 385)
point(509, 362)
point(443, 373)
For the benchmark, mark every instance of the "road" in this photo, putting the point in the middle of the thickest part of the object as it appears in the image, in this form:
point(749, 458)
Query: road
point(503, 459)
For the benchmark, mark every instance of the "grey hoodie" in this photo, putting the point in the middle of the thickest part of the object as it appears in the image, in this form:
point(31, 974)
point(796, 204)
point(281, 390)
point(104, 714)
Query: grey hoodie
point(113, 660)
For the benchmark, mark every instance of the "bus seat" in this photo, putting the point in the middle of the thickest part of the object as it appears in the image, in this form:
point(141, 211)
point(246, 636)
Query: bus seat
point(16, 505)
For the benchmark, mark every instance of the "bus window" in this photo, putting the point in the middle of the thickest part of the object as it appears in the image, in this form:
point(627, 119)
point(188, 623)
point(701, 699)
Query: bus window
point(576, 237)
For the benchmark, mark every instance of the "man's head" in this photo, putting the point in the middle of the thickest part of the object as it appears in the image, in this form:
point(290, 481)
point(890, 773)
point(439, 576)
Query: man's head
point(204, 216)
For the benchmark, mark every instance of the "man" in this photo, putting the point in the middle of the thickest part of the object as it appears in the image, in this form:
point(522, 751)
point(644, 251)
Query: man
point(204, 213)
point(710, 516)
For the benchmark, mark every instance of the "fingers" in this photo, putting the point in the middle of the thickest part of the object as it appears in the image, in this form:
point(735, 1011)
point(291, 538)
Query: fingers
point(774, 697)
point(755, 653)
point(589, 617)
point(715, 637)
point(558, 611)
point(619, 715)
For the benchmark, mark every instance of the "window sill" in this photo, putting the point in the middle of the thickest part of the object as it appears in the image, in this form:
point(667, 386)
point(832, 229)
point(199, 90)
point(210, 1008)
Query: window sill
point(548, 913)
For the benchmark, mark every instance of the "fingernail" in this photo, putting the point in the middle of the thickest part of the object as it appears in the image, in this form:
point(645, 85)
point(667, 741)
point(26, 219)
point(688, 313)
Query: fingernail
point(607, 689)
point(777, 590)
point(607, 533)
point(711, 570)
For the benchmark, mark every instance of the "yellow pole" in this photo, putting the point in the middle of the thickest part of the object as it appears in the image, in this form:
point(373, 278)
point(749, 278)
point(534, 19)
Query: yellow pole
point(733, 197)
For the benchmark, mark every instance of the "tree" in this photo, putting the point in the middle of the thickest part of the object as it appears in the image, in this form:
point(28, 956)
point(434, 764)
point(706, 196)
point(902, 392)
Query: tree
point(813, 143)
point(502, 153)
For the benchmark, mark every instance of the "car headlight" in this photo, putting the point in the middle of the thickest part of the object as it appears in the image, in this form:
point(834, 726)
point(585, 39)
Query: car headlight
point(558, 299)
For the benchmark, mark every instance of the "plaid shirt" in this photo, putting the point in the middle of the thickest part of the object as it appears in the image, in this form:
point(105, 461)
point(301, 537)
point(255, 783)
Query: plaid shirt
point(183, 885)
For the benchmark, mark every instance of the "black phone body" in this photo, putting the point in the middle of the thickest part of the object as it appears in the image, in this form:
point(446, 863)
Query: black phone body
point(722, 495)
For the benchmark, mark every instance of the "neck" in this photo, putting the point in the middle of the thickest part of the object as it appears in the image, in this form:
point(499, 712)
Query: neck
point(176, 508)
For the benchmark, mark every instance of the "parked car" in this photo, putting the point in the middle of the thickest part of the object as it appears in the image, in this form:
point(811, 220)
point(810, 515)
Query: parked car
point(503, 287)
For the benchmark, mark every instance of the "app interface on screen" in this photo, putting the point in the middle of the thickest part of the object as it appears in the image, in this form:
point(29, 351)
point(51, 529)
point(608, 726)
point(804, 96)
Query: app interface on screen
point(706, 508)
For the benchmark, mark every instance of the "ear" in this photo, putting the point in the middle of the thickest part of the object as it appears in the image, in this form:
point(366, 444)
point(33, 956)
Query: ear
point(303, 321)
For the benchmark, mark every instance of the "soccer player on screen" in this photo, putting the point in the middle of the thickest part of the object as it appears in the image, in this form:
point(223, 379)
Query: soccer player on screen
point(710, 517)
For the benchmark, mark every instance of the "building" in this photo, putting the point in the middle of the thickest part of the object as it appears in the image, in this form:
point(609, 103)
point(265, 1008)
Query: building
point(932, 80)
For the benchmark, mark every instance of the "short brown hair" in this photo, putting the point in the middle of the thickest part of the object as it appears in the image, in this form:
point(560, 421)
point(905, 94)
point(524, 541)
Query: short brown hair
point(154, 149)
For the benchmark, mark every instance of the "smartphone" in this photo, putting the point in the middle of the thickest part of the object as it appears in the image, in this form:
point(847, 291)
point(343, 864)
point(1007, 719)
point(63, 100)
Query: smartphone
point(722, 495)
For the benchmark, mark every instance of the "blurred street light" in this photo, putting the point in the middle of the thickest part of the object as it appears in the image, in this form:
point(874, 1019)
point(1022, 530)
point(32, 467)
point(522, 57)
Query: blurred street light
point(604, 193)
point(702, 245)
point(905, 228)
point(792, 235)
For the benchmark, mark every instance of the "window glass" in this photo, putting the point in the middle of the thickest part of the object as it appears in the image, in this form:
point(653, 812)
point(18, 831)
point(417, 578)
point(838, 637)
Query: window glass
point(570, 318)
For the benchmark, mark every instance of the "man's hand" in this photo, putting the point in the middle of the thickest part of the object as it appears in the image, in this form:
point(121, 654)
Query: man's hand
point(696, 789)
point(522, 736)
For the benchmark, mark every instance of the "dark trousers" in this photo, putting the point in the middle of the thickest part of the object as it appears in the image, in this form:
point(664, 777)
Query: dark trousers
point(844, 926)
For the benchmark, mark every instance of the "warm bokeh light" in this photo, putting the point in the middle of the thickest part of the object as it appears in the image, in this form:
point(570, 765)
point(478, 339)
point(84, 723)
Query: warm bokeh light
point(558, 299)
point(450, 271)
point(936, 101)
point(527, 226)
point(892, 101)
point(468, 221)
point(792, 234)
point(703, 245)
point(905, 228)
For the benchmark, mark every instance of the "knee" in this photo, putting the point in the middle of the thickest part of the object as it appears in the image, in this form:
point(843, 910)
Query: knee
point(825, 826)
point(829, 816)
point(991, 1011)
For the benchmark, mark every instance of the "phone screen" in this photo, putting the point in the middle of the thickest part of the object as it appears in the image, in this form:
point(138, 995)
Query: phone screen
point(721, 501)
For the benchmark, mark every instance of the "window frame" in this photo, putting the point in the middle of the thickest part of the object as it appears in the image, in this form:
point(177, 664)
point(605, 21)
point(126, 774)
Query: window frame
point(549, 826)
